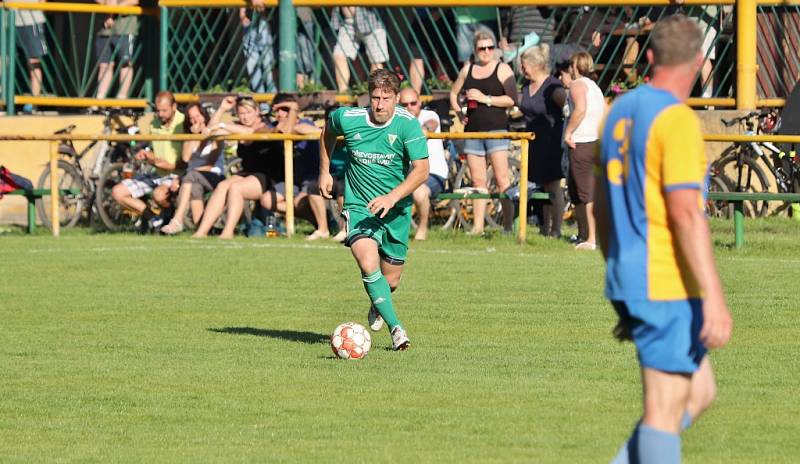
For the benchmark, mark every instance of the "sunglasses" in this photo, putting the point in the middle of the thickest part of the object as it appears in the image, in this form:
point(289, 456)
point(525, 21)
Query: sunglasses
point(485, 49)
point(407, 104)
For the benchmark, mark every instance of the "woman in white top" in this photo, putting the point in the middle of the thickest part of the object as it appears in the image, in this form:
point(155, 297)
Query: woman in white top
point(586, 110)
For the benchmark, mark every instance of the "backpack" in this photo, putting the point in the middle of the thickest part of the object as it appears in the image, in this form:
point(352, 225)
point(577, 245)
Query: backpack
point(10, 182)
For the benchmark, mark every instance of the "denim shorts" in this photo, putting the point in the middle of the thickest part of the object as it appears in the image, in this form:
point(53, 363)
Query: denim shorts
point(483, 147)
point(435, 184)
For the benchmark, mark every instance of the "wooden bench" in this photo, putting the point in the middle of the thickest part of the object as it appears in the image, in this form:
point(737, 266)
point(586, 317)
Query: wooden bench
point(37, 194)
point(738, 199)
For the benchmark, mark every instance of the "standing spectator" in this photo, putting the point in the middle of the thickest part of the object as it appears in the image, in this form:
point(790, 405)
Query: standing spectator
point(259, 161)
point(306, 51)
point(490, 89)
point(522, 28)
point(586, 109)
point(115, 42)
point(205, 169)
point(257, 46)
point(163, 157)
point(542, 103)
point(437, 164)
point(355, 25)
point(661, 277)
point(468, 22)
point(31, 32)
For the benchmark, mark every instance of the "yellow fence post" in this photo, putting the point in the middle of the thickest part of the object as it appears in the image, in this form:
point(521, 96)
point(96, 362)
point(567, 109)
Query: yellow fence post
point(288, 156)
point(55, 220)
point(522, 214)
point(746, 66)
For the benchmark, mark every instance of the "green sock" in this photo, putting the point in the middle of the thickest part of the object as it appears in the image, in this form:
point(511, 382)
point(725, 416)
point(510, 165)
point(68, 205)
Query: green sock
point(381, 295)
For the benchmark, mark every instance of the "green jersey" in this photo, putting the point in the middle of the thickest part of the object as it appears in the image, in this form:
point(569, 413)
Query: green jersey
point(380, 155)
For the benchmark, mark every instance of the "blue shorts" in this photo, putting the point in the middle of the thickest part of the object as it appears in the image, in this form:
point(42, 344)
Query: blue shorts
point(435, 184)
point(483, 147)
point(666, 333)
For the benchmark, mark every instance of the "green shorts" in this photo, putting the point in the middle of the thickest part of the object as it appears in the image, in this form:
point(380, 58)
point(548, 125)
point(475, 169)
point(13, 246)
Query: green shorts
point(391, 232)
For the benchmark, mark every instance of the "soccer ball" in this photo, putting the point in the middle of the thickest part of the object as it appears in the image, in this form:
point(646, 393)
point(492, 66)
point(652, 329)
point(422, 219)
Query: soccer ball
point(350, 340)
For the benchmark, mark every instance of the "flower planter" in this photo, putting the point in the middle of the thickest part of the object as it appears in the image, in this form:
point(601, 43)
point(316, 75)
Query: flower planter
point(322, 98)
point(213, 99)
point(362, 100)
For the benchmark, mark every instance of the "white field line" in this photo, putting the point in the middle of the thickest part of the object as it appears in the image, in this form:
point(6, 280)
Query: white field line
point(206, 245)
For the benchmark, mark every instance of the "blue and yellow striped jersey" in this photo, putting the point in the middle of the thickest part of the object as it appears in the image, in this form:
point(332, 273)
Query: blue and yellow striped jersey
point(651, 145)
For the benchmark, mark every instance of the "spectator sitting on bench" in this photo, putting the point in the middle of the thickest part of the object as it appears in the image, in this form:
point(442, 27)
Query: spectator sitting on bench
point(258, 162)
point(429, 120)
point(205, 170)
point(316, 201)
point(285, 109)
point(163, 157)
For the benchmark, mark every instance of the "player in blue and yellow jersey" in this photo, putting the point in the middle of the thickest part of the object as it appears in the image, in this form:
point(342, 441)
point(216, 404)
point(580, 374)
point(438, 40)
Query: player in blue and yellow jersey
point(661, 277)
point(388, 160)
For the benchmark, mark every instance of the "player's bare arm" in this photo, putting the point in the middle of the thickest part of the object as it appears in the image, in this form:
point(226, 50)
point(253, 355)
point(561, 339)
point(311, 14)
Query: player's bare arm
point(416, 177)
point(327, 142)
point(693, 238)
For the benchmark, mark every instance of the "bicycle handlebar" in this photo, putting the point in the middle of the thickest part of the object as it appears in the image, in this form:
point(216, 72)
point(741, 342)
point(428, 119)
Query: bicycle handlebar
point(748, 116)
point(66, 130)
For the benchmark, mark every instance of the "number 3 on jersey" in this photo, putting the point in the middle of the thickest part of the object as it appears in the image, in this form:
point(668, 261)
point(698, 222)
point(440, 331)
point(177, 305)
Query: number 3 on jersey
point(617, 167)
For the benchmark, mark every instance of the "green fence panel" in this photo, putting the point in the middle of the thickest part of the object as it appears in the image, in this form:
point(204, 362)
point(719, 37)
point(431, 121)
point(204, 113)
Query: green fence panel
point(778, 47)
point(70, 65)
point(233, 50)
point(210, 50)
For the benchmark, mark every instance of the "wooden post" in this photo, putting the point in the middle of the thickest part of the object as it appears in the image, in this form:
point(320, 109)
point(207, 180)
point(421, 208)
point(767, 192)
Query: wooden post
point(523, 192)
point(55, 220)
point(738, 223)
point(288, 157)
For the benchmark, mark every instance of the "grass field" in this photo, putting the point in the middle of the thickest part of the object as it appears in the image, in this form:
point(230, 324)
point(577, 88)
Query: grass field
point(120, 348)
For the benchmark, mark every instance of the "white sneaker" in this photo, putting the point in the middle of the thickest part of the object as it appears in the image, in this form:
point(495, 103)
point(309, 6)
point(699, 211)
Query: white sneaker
point(374, 319)
point(174, 227)
point(340, 236)
point(400, 341)
point(316, 235)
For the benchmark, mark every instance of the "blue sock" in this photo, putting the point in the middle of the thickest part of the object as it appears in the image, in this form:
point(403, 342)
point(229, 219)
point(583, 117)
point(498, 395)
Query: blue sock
point(686, 421)
point(649, 446)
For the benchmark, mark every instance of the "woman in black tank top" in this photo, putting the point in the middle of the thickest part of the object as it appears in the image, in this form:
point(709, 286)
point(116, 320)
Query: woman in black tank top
point(247, 185)
point(490, 89)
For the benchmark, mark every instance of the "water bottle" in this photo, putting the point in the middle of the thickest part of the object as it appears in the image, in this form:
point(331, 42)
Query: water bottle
point(272, 227)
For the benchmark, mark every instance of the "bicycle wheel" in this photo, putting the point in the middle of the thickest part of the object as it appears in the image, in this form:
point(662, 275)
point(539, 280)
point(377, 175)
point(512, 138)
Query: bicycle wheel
point(745, 175)
point(70, 206)
point(720, 208)
point(114, 216)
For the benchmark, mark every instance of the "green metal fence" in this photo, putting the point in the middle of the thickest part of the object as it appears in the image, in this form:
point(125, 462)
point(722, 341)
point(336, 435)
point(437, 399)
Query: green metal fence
point(207, 49)
point(70, 65)
point(778, 44)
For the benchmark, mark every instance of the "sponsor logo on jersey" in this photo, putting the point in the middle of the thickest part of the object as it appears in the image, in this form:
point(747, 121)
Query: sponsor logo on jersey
point(357, 136)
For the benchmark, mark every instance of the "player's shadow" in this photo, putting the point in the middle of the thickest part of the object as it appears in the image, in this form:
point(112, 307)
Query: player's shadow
point(310, 338)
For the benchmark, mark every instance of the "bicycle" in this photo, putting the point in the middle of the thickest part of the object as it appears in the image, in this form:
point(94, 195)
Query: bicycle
point(71, 174)
point(747, 160)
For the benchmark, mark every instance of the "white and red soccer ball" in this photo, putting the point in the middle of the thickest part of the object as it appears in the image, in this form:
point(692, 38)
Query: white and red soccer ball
point(351, 340)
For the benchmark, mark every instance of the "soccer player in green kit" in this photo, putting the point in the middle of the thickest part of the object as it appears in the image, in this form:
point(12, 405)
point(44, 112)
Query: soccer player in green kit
point(388, 161)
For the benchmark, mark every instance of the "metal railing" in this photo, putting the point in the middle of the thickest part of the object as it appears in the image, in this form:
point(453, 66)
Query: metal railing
point(288, 154)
